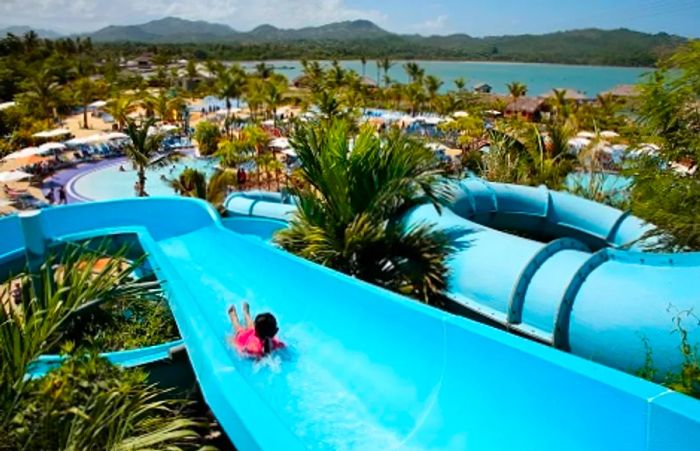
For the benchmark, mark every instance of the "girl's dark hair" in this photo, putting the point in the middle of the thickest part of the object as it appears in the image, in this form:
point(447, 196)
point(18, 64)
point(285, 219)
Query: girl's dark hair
point(266, 329)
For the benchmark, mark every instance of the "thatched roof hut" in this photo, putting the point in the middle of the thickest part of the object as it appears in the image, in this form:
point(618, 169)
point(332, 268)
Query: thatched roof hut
point(527, 107)
point(569, 94)
point(622, 91)
point(369, 82)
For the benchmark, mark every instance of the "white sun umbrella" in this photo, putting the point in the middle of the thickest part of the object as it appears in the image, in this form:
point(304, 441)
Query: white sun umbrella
point(433, 120)
point(460, 114)
point(607, 134)
point(169, 127)
point(280, 143)
point(51, 147)
point(23, 153)
point(98, 104)
point(6, 105)
point(94, 138)
point(52, 133)
point(576, 144)
point(584, 134)
point(289, 152)
point(116, 135)
point(13, 176)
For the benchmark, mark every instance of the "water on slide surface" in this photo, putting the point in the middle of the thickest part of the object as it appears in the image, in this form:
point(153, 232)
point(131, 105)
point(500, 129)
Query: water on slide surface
point(361, 373)
point(319, 377)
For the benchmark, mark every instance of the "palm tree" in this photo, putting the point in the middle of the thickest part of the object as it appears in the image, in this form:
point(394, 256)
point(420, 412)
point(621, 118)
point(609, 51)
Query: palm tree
point(460, 84)
point(363, 61)
point(229, 85)
point(312, 74)
point(142, 150)
point(432, 85)
point(120, 108)
point(258, 140)
point(274, 94)
point(329, 105)
point(561, 103)
point(385, 64)
point(194, 183)
point(42, 93)
point(414, 71)
point(415, 94)
point(335, 75)
point(264, 71)
point(84, 90)
point(351, 200)
point(255, 95)
point(516, 89)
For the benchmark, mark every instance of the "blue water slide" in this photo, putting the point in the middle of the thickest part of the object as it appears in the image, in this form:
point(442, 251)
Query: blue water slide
point(13, 261)
point(366, 368)
point(557, 268)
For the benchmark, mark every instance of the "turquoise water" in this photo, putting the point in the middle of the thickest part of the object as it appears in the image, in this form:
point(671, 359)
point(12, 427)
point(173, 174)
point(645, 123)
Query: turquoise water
point(539, 78)
point(111, 183)
point(610, 183)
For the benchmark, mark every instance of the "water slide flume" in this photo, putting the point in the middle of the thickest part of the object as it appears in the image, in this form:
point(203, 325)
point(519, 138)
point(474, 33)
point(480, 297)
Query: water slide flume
point(571, 284)
point(366, 369)
point(13, 262)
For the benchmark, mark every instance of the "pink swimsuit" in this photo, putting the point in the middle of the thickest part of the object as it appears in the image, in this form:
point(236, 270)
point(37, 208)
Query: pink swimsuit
point(248, 343)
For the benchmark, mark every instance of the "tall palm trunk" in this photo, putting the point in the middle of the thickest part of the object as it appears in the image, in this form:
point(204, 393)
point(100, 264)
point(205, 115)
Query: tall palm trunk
point(85, 116)
point(142, 181)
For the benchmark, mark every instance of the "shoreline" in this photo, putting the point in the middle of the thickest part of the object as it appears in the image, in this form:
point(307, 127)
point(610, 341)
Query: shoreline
point(444, 60)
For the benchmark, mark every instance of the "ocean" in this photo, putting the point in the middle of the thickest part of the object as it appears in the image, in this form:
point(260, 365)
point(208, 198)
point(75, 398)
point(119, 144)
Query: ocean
point(539, 78)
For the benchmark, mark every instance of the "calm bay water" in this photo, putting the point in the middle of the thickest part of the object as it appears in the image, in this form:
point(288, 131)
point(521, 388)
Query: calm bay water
point(539, 78)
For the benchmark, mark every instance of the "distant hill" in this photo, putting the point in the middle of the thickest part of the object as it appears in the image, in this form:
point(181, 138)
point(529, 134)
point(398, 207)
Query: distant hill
point(167, 30)
point(174, 30)
point(362, 38)
point(349, 30)
point(21, 30)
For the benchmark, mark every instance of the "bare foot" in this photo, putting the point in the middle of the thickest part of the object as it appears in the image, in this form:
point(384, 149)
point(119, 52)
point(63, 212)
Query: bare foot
point(246, 309)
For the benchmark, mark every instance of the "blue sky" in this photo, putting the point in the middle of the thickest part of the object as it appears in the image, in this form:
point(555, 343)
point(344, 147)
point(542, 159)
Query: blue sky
point(517, 16)
point(474, 17)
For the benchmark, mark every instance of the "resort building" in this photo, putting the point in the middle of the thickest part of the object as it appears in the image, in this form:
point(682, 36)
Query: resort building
point(528, 108)
point(483, 88)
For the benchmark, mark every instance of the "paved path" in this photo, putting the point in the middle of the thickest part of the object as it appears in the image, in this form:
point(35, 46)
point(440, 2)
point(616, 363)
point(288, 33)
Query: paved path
point(62, 177)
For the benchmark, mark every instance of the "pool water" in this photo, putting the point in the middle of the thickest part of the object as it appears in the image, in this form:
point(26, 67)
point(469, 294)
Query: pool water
point(111, 183)
point(608, 183)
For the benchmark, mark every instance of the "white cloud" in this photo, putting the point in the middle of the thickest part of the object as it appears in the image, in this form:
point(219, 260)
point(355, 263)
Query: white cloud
point(437, 25)
point(87, 15)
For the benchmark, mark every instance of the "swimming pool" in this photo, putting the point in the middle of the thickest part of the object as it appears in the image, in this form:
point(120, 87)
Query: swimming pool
point(111, 183)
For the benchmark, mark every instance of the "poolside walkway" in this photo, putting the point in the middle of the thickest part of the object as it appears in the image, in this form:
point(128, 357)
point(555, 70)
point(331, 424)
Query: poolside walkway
point(64, 176)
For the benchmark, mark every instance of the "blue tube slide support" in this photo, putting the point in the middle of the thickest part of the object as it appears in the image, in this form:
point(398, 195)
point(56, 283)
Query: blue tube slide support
point(366, 368)
point(583, 286)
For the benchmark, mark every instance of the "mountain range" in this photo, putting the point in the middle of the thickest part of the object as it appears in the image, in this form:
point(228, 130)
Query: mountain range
point(351, 39)
point(22, 29)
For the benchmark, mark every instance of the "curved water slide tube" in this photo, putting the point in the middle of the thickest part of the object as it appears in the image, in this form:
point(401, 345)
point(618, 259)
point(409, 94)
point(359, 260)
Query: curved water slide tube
point(574, 286)
point(364, 368)
point(13, 261)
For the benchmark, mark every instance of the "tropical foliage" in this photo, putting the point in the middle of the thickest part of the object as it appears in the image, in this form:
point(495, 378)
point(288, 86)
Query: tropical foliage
point(350, 202)
point(87, 403)
point(143, 150)
point(194, 183)
point(207, 136)
point(670, 115)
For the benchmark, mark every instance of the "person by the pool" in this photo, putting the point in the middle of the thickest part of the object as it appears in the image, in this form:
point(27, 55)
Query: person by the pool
point(255, 338)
